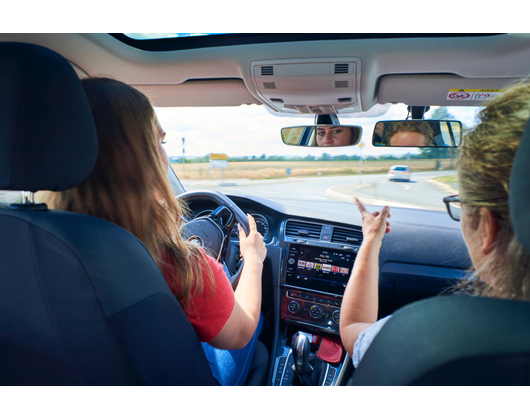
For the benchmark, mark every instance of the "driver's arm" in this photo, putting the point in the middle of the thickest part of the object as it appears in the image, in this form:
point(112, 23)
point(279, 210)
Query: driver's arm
point(243, 321)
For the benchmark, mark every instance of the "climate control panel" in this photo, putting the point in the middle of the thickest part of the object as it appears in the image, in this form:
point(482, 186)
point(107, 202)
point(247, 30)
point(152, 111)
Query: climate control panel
point(313, 309)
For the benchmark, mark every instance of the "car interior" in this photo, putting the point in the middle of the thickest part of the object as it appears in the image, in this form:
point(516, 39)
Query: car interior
point(83, 303)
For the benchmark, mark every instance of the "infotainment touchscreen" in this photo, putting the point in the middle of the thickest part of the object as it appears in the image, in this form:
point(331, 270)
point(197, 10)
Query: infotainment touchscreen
point(318, 268)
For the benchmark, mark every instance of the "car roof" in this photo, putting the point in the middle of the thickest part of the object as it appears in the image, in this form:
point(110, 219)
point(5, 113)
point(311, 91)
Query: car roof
point(420, 70)
point(177, 42)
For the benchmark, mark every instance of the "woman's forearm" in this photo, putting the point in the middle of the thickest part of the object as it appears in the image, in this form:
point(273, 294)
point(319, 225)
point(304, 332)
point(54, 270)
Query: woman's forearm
point(361, 298)
point(242, 323)
point(360, 301)
point(248, 292)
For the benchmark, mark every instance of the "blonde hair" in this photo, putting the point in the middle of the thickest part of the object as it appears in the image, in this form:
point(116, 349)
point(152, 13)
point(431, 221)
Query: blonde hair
point(129, 187)
point(484, 169)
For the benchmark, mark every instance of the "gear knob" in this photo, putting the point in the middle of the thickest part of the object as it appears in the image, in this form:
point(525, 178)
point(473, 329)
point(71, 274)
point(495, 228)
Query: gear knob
point(301, 354)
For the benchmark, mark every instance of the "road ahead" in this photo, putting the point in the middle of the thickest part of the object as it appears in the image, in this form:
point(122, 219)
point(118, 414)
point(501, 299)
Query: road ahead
point(420, 192)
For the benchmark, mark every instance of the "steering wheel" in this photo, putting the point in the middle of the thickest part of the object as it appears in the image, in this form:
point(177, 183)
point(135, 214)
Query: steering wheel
point(212, 232)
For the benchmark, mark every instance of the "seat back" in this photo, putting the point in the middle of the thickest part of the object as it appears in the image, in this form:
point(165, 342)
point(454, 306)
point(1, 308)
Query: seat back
point(451, 340)
point(82, 302)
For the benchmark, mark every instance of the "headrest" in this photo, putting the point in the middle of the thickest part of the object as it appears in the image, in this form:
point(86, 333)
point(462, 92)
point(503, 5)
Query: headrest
point(48, 138)
point(519, 201)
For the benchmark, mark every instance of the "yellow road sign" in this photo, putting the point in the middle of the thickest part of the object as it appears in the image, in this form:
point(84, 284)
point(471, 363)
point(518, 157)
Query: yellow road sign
point(218, 156)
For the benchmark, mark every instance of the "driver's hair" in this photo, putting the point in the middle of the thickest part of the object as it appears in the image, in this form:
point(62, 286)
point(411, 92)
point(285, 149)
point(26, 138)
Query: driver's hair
point(129, 187)
point(484, 169)
point(412, 126)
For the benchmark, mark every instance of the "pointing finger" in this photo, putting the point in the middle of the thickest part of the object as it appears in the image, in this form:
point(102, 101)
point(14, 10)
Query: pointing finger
point(362, 209)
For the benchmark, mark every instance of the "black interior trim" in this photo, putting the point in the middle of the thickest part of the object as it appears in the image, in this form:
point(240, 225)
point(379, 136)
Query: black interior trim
point(187, 43)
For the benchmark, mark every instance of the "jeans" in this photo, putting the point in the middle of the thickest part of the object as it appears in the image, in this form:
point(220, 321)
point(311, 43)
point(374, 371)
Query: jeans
point(231, 367)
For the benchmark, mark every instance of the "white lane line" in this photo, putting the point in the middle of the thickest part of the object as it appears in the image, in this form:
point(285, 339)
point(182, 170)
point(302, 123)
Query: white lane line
point(313, 196)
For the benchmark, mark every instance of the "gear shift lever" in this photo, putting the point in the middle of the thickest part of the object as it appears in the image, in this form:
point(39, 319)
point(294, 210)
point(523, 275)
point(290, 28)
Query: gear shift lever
point(308, 370)
point(301, 355)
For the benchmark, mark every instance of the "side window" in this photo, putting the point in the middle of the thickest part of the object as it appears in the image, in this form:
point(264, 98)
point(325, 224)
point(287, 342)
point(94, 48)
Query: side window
point(10, 197)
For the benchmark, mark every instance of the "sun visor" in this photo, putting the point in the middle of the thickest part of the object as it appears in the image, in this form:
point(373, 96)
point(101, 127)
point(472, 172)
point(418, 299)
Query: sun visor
point(309, 86)
point(228, 92)
point(439, 89)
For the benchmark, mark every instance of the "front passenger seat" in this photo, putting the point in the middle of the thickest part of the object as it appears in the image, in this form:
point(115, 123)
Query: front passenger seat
point(81, 300)
point(460, 340)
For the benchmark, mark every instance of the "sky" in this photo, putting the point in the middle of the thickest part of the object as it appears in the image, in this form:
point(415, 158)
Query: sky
point(165, 35)
point(252, 130)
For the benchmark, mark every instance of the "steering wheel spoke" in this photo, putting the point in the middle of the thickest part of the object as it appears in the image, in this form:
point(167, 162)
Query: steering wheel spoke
point(224, 218)
point(213, 232)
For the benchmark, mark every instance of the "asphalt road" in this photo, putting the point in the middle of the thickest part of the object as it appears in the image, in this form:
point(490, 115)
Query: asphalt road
point(421, 192)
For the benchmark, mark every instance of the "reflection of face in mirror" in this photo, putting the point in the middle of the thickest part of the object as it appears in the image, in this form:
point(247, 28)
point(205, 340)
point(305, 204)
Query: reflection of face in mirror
point(322, 135)
point(411, 134)
point(403, 138)
point(334, 135)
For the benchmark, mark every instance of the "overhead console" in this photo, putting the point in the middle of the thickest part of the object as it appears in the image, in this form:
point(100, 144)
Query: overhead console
point(309, 86)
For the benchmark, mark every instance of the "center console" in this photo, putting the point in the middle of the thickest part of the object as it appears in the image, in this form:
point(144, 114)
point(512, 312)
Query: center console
point(315, 279)
point(314, 275)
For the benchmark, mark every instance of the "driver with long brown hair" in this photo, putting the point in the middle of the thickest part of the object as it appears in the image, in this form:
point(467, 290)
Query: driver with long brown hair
point(129, 187)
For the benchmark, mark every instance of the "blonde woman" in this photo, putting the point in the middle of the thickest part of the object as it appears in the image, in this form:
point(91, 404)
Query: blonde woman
point(501, 264)
point(128, 186)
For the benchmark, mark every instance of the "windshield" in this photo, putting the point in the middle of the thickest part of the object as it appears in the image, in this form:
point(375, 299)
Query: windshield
point(239, 151)
point(140, 36)
point(248, 158)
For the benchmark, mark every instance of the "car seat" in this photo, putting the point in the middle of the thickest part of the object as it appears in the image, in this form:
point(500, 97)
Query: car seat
point(82, 302)
point(460, 340)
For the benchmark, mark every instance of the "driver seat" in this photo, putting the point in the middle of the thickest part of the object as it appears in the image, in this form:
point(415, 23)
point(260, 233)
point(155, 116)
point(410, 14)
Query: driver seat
point(82, 302)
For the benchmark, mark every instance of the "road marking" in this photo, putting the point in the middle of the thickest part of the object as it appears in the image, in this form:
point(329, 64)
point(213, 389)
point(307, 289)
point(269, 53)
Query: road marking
point(268, 192)
point(313, 196)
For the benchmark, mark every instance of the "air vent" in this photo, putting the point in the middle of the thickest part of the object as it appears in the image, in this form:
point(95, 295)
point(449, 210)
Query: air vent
point(269, 85)
point(303, 229)
point(341, 84)
point(347, 236)
point(267, 71)
point(342, 68)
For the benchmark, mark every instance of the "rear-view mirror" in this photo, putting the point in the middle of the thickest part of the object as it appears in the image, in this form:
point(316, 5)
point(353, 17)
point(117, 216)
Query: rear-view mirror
point(322, 135)
point(417, 133)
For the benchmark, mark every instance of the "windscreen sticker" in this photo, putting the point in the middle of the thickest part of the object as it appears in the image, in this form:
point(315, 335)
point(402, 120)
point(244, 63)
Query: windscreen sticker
point(473, 94)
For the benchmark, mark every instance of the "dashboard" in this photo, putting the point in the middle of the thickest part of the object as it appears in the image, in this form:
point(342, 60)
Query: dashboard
point(423, 255)
point(310, 256)
point(315, 261)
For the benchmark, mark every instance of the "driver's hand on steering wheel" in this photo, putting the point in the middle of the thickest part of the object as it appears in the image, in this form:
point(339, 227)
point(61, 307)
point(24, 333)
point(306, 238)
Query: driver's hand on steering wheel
point(252, 245)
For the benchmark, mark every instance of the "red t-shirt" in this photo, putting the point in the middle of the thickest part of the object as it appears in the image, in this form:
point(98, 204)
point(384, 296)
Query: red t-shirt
point(208, 312)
